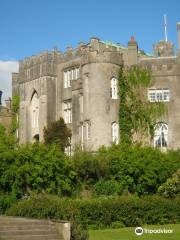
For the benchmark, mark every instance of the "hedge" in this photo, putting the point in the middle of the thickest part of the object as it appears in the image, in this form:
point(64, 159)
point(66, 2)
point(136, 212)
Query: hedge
point(101, 212)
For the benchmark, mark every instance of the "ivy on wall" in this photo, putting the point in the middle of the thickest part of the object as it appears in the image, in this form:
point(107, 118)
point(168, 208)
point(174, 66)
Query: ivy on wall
point(15, 110)
point(137, 116)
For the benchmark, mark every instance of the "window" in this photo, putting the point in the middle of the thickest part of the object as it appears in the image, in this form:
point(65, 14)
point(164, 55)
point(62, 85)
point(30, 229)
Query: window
point(35, 111)
point(77, 73)
point(88, 130)
point(161, 135)
point(159, 95)
point(67, 112)
point(70, 74)
point(81, 103)
point(114, 88)
point(67, 82)
point(81, 133)
point(115, 132)
point(34, 116)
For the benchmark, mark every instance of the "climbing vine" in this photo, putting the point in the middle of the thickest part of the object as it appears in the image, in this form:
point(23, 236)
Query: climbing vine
point(137, 116)
point(15, 110)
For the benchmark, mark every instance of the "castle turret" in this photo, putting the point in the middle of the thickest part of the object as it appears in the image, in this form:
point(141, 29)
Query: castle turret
point(164, 49)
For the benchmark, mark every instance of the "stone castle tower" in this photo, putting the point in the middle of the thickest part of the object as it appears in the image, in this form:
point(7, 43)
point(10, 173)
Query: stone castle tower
point(81, 86)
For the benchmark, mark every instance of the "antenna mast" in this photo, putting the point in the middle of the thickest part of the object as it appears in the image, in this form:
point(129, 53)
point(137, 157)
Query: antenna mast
point(165, 27)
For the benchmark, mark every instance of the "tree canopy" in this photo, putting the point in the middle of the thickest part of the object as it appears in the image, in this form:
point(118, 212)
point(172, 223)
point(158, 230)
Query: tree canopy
point(58, 133)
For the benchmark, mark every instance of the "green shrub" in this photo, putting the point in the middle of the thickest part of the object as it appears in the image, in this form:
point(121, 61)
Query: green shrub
point(6, 201)
point(89, 167)
point(171, 187)
point(107, 188)
point(78, 232)
point(140, 169)
point(101, 212)
point(35, 168)
point(117, 225)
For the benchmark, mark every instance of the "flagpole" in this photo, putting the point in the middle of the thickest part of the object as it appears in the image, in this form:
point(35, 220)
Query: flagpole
point(165, 27)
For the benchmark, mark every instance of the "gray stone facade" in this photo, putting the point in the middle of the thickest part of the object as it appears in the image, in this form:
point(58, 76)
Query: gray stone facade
point(77, 85)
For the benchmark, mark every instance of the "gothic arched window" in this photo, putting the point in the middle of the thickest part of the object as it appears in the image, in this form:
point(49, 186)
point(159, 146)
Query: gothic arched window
point(114, 88)
point(35, 114)
point(161, 135)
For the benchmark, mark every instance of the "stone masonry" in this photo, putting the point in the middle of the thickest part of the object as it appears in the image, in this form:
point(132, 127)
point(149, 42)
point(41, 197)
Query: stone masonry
point(77, 85)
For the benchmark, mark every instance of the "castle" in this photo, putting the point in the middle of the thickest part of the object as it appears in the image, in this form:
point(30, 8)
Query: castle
point(81, 86)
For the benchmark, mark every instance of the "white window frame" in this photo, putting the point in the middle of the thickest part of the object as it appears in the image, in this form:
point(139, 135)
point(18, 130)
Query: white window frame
point(67, 111)
point(81, 102)
point(88, 130)
point(161, 135)
point(115, 132)
point(77, 72)
point(35, 111)
point(159, 95)
point(69, 75)
point(81, 132)
point(65, 79)
point(114, 88)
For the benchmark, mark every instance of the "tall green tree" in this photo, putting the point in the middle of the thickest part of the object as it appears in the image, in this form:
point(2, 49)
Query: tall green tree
point(58, 133)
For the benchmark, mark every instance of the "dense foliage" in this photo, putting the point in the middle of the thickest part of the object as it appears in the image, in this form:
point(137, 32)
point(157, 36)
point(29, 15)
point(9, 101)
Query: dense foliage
point(58, 133)
point(33, 168)
point(15, 112)
point(123, 169)
point(137, 116)
point(171, 188)
point(102, 212)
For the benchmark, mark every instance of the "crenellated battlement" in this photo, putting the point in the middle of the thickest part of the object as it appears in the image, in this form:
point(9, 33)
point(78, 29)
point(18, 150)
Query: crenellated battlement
point(45, 64)
point(160, 65)
point(39, 59)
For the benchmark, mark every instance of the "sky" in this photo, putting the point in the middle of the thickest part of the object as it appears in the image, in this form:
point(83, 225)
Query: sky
point(29, 27)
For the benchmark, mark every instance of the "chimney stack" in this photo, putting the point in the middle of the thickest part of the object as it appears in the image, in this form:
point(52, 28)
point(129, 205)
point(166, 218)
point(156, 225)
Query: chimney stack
point(1, 97)
point(178, 29)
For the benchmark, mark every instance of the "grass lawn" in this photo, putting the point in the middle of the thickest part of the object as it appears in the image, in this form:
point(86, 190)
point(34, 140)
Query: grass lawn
point(129, 234)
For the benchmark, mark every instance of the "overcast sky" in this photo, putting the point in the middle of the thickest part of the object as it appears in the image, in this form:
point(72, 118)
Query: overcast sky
point(29, 27)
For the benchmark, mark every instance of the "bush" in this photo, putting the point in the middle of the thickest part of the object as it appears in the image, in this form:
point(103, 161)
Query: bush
point(107, 188)
point(35, 168)
point(101, 212)
point(89, 167)
point(139, 169)
point(117, 225)
point(171, 187)
point(6, 201)
point(136, 169)
point(78, 232)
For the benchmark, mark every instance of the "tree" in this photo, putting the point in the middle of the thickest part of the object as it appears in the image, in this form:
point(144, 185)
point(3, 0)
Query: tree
point(58, 133)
